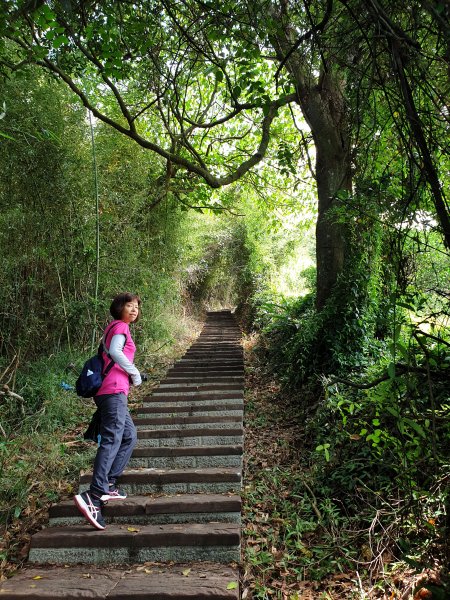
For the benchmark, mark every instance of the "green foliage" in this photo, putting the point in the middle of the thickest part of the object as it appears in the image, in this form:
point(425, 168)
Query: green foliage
point(281, 543)
point(25, 474)
point(37, 464)
point(45, 406)
point(205, 99)
point(38, 196)
point(378, 355)
point(47, 232)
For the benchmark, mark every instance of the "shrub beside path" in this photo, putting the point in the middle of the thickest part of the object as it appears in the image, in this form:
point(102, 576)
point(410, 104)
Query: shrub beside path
point(177, 535)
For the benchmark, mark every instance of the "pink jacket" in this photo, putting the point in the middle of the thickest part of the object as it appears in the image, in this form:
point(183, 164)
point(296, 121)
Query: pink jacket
point(117, 380)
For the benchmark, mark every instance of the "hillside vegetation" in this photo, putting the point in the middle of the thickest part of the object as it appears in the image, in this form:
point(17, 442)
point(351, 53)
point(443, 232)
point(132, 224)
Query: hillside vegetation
point(287, 160)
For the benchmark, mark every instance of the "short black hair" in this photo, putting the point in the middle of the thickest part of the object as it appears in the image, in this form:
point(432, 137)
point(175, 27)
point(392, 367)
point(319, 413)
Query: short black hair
point(118, 304)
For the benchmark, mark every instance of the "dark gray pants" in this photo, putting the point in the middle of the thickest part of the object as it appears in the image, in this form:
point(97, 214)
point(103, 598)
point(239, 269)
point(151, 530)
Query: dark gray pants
point(118, 438)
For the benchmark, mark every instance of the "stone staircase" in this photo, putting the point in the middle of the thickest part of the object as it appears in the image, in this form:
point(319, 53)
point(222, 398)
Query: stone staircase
point(177, 535)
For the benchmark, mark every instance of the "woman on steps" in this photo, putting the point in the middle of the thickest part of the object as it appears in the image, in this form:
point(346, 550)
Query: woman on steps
point(117, 430)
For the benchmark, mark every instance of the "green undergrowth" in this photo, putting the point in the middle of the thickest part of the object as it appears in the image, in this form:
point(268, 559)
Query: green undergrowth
point(41, 452)
point(326, 512)
point(41, 445)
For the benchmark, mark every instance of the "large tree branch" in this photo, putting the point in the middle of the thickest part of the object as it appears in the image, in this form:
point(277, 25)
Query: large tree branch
point(421, 143)
point(101, 69)
point(203, 172)
point(239, 108)
point(400, 370)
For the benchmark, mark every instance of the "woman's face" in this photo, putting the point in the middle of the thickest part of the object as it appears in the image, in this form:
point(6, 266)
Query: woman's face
point(130, 312)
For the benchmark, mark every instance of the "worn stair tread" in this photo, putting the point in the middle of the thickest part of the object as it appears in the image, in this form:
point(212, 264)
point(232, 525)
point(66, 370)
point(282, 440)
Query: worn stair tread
point(193, 396)
point(193, 408)
point(177, 380)
point(193, 432)
point(235, 449)
point(194, 581)
point(151, 536)
point(211, 361)
point(207, 373)
point(210, 347)
point(179, 367)
point(161, 476)
point(205, 387)
point(148, 505)
point(211, 353)
point(199, 393)
point(186, 420)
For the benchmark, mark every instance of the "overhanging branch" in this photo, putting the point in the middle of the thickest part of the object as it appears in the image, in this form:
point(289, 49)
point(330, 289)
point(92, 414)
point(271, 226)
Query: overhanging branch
point(211, 179)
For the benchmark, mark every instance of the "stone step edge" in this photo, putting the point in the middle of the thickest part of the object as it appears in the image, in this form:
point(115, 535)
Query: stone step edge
point(160, 505)
point(185, 581)
point(204, 387)
point(193, 432)
point(196, 396)
point(194, 379)
point(151, 536)
point(220, 421)
point(169, 451)
point(195, 361)
point(174, 475)
point(193, 409)
point(186, 462)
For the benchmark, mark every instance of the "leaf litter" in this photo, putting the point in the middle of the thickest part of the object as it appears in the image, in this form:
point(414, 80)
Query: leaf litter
point(280, 550)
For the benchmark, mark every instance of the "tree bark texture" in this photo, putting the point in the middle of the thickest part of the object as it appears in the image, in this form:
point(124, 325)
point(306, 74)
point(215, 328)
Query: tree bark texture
point(321, 98)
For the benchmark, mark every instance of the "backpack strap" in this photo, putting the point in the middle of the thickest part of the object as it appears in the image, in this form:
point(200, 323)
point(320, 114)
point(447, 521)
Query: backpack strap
point(112, 362)
point(102, 347)
point(105, 335)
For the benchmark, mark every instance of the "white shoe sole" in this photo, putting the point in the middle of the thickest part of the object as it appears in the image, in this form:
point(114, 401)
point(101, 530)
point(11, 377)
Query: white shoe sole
point(107, 498)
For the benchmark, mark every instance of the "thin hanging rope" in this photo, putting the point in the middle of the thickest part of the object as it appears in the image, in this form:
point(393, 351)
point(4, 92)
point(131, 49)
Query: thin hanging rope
point(97, 232)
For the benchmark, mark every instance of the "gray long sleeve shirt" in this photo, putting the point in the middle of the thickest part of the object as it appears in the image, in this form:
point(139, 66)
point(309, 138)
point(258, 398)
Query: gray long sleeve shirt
point(116, 353)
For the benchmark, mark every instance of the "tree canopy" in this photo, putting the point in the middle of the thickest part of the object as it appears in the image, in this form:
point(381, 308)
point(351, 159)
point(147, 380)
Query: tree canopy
point(202, 85)
point(287, 158)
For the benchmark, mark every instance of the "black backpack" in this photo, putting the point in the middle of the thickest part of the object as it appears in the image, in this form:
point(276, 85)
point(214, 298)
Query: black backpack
point(93, 372)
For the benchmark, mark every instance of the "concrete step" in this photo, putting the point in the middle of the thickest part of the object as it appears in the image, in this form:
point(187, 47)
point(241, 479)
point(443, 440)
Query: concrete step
point(190, 437)
point(119, 544)
point(212, 346)
point(232, 408)
point(235, 449)
point(195, 396)
point(193, 581)
point(195, 508)
point(206, 364)
point(193, 388)
point(210, 355)
point(201, 372)
point(199, 379)
point(175, 481)
point(210, 362)
point(216, 345)
point(208, 411)
point(232, 341)
point(194, 383)
point(219, 342)
point(217, 349)
point(216, 369)
point(220, 338)
point(190, 457)
point(185, 422)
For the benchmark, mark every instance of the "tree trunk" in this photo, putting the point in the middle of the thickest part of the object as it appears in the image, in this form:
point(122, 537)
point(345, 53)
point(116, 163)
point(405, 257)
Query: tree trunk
point(324, 111)
point(321, 99)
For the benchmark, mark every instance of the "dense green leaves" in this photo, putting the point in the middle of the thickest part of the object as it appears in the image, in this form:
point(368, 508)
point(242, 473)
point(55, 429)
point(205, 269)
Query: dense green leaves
point(222, 130)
